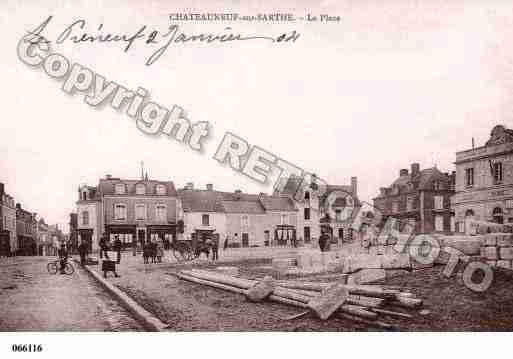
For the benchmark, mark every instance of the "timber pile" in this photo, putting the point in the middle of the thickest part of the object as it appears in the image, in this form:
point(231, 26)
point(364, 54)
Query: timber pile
point(365, 304)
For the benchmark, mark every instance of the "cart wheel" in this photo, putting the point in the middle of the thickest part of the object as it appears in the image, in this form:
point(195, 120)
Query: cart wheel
point(69, 269)
point(52, 267)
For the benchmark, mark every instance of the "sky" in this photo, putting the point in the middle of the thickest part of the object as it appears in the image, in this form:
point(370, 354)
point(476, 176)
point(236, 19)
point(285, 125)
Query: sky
point(388, 85)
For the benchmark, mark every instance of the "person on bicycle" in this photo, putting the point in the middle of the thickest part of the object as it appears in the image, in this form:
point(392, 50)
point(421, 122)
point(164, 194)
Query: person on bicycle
point(63, 257)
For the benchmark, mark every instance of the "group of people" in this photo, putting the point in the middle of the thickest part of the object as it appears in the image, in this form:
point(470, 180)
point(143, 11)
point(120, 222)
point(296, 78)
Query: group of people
point(153, 250)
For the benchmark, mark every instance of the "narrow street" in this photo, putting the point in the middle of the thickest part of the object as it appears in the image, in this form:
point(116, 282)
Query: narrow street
point(33, 300)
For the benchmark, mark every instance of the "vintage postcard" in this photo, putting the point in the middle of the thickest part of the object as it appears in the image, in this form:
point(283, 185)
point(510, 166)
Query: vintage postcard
point(260, 166)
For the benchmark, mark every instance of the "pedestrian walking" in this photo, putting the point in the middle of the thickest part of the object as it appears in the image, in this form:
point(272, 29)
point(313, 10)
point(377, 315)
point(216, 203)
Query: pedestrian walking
point(117, 248)
point(82, 251)
point(104, 247)
point(63, 257)
point(160, 251)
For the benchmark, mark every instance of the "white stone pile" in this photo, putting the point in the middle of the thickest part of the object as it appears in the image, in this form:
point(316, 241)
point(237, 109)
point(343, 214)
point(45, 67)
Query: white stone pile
point(497, 249)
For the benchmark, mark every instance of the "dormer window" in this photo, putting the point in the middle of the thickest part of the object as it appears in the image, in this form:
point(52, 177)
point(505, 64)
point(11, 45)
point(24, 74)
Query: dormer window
point(140, 189)
point(437, 186)
point(161, 189)
point(120, 188)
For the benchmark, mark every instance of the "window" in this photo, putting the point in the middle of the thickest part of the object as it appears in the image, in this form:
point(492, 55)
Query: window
point(205, 220)
point(161, 189)
point(497, 172)
point(439, 202)
point(439, 223)
point(161, 212)
point(497, 215)
point(120, 212)
point(140, 189)
point(469, 176)
point(244, 221)
point(437, 186)
point(307, 214)
point(85, 218)
point(307, 195)
point(410, 204)
point(306, 233)
point(140, 211)
point(84, 195)
point(338, 215)
point(395, 207)
point(453, 224)
point(509, 203)
point(284, 218)
point(119, 188)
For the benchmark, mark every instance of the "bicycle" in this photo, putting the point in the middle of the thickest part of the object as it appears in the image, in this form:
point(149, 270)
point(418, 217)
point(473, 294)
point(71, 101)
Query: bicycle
point(54, 267)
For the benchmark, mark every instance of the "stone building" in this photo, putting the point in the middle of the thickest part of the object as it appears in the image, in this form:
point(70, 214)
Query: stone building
point(8, 236)
point(134, 210)
point(44, 239)
point(484, 180)
point(312, 202)
point(246, 219)
point(419, 197)
point(26, 232)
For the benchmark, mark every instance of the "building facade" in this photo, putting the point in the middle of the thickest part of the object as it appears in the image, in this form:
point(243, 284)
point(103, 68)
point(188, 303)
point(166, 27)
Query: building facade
point(133, 210)
point(8, 235)
point(26, 232)
point(484, 181)
point(44, 239)
point(312, 202)
point(421, 198)
point(247, 220)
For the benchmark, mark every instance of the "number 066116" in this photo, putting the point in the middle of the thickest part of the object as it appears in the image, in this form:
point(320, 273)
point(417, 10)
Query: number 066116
point(27, 348)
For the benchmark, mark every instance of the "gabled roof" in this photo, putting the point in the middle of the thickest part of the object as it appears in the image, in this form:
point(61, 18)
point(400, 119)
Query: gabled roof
point(232, 202)
point(275, 203)
point(106, 186)
point(201, 201)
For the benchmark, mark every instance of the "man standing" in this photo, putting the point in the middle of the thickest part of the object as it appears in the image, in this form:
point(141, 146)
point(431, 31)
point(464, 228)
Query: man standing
point(104, 246)
point(82, 251)
point(117, 248)
point(215, 247)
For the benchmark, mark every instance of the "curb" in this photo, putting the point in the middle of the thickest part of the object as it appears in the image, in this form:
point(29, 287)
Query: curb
point(148, 320)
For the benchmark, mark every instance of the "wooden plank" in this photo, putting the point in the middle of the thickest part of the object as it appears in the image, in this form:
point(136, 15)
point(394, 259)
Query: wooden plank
point(329, 302)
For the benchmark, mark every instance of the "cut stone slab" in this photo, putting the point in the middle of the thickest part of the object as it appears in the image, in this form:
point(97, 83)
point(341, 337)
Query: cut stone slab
point(365, 276)
point(396, 261)
point(261, 290)
point(329, 301)
point(361, 261)
point(228, 270)
point(468, 245)
point(505, 240)
point(506, 253)
point(490, 253)
point(504, 264)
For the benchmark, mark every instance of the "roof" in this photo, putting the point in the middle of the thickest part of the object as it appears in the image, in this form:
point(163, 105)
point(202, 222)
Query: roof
point(232, 202)
point(106, 186)
point(275, 203)
point(201, 201)
point(500, 135)
point(424, 179)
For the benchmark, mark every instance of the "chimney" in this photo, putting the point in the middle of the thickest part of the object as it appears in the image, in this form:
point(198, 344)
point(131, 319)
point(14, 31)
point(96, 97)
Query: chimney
point(210, 187)
point(189, 185)
point(383, 191)
point(403, 172)
point(2, 190)
point(354, 184)
point(108, 177)
point(415, 169)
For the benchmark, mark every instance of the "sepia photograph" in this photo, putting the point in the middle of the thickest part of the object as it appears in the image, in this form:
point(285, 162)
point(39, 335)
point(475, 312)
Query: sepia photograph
point(224, 173)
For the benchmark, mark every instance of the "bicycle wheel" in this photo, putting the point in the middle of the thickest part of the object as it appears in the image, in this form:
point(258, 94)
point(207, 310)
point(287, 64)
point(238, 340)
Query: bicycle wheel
point(52, 267)
point(69, 269)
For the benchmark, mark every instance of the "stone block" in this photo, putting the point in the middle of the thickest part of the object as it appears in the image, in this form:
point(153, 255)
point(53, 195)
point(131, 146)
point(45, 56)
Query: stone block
point(492, 264)
point(361, 261)
point(506, 253)
point(396, 261)
point(504, 264)
point(490, 253)
point(490, 239)
point(505, 240)
point(304, 260)
point(366, 276)
point(469, 245)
